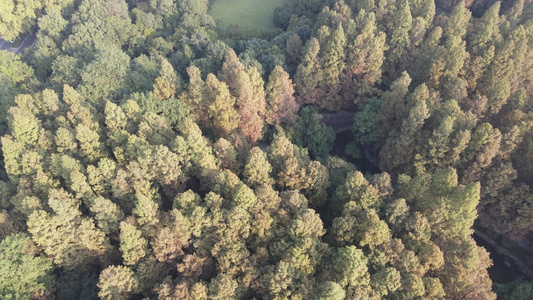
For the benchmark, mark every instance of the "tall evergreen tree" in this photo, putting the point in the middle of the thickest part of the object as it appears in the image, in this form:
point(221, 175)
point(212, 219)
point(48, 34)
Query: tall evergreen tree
point(399, 37)
point(246, 85)
point(221, 110)
point(309, 76)
point(333, 65)
point(281, 104)
point(364, 60)
point(168, 83)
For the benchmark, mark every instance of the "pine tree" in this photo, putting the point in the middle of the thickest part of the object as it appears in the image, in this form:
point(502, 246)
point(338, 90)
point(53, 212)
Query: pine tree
point(25, 127)
point(293, 52)
point(309, 76)
point(333, 65)
point(399, 38)
point(253, 112)
point(393, 101)
point(329, 290)
point(70, 238)
point(246, 85)
point(168, 83)
point(486, 29)
point(222, 287)
point(454, 32)
point(196, 96)
point(106, 214)
point(221, 109)
point(350, 265)
point(103, 77)
point(482, 148)
point(25, 272)
point(132, 245)
point(257, 169)
point(402, 142)
point(364, 59)
point(117, 282)
point(281, 105)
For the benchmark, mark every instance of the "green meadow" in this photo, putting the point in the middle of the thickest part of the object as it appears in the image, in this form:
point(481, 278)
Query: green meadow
point(248, 14)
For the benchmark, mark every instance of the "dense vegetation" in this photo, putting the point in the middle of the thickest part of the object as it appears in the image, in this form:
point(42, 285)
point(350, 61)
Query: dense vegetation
point(132, 165)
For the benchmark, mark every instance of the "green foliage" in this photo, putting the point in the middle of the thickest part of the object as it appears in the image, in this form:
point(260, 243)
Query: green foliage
point(132, 151)
point(116, 282)
point(132, 244)
point(246, 85)
point(281, 105)
point(66, 235)
point(350, 265)
point(330, 291)
point(14, 69)
point(168, 83)
point(257, 169)
point(309, 75)
point(18, 17)
point(221, 111)
point(514, 290)
point(364, 59)
point(332, 66)
point(25, 273)
point(310, 132)
point(103, 77)
point(365, 125)
point(402, 23)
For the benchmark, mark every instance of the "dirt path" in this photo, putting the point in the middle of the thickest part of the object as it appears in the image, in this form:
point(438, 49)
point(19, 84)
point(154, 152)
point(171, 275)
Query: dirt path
point(28, 41)
point(338, 118)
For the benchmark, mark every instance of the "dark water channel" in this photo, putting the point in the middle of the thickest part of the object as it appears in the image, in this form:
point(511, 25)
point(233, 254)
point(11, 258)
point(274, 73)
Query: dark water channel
point(503, 270)
point(363, 164)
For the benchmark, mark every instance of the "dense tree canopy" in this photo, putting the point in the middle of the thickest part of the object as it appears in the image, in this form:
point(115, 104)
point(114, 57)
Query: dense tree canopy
point(149, 154)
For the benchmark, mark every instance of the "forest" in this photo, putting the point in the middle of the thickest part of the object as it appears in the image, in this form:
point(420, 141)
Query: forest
point(150, 150)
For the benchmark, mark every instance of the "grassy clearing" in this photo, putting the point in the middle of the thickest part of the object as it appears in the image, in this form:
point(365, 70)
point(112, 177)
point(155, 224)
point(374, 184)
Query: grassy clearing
point(248, 14)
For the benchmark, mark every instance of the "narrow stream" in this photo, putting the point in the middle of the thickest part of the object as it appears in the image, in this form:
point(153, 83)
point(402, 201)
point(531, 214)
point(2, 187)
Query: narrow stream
point(363, 164)
point(503, 270)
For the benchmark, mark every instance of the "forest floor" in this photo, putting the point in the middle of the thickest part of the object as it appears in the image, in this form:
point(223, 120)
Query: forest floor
point(248, 14)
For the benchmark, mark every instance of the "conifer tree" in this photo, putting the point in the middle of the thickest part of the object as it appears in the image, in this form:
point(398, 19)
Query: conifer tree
point(293, 52)
point(399, 38)
point(196, 96)
point(401, 142)
point(393, 100)
point(330, 290)
point(257, 169)
point(281, 105)
point(364, 59)
point(168, 83)
point(246, 85)
point(309, 76)
point(486, 29)
point(333, 65)
point(221, 109)
point(350, 265)
point(106, 214)
point(117, 282)
point(131, 185)
point(70, 238)
point(26, 273)
point(454, 32)
point(132, 245)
